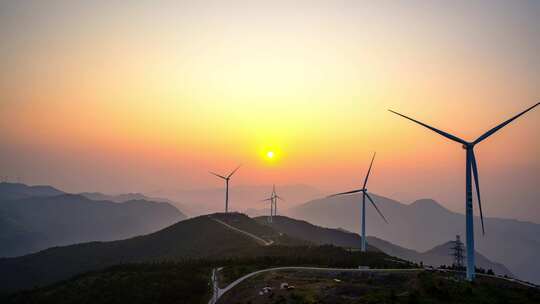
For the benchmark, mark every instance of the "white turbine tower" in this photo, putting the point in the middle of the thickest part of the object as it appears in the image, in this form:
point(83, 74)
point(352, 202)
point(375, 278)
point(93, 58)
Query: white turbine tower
point(276, 198)
point(226, 178)
point(364, 195)
point(271, 199)
point(470, 165)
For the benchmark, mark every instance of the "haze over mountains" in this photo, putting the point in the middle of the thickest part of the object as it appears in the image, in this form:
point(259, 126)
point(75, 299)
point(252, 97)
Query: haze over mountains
point(124, 197)
point(213, 237)
point(439, 255)
point(192, 238)
point(9, 191)
point(33, 218)
point(199, 237)
point(242, 198)
point(426, 224)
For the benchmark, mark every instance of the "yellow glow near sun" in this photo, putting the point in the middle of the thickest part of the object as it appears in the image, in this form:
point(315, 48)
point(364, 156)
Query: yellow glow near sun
point(271, 154)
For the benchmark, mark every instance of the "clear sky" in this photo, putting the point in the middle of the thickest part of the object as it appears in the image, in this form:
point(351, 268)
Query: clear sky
point(122, 96)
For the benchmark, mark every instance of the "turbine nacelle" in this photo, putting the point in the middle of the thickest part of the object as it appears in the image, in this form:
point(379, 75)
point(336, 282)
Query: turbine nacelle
point(364, 192)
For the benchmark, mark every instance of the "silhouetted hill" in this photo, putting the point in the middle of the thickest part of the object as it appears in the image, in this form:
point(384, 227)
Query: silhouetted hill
point(316, 234)
point(10, 191)
point(245, 223)
point(35, 223)
point(139, 283)
point(219, 237)
point(187, 281)
point(437, 256)
point(425, 224)
point(193, 238)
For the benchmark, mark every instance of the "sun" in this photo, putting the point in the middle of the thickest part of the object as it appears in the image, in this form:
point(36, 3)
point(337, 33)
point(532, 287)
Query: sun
point(270, 154)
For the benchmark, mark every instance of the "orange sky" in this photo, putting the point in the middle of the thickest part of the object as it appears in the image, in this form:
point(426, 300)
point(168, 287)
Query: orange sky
point(117, 97)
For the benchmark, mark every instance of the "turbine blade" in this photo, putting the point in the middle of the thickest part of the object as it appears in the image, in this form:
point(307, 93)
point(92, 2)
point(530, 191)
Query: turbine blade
point(369, 170)
point(497, 128)
point(264, 200)
point(348, 192)
point(281, 198)
point(475, 173)
point(447, 135)
point(234, 171)
point(221, 176)
point(376, 208)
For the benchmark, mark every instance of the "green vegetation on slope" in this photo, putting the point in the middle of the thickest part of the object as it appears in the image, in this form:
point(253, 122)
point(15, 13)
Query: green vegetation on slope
point(187, 281)
point(194, 238)
point(316, 234)
point(260, 229)
point(420, 287)
point(437, 256)
point(311, 256)
point(133, 284)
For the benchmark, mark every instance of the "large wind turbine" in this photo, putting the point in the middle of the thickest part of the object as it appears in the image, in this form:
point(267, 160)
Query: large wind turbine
point(227, 178)
point(470, 164)
point(364, 195)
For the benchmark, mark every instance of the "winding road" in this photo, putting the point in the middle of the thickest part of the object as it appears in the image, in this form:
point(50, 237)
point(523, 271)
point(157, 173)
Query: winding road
point(218, 292)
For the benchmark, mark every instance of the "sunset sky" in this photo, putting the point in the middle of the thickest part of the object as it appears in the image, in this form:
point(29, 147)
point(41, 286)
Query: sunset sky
point(145, 95)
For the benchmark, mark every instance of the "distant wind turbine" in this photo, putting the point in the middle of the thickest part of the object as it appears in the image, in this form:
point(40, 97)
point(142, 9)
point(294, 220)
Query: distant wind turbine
point(273, 202)
point(276, 198)
point(470, 164)
point(227, 178)
point(364, 195)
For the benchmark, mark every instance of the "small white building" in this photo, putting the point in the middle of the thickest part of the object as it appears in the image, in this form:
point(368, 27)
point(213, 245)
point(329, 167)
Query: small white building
point(363, 267)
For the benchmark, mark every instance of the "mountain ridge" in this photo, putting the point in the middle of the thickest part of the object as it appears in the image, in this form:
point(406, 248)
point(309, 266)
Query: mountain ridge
point(422, 225)
point(340, 237)
point(176, 242)
point(33, 223)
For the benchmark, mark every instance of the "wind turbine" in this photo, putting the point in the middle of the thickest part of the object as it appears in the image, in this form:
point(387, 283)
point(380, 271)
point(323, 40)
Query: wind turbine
point(276, 198)
point(273, 202)
point(271, 199)
point(364, 195)
point(227, 178)
point(470, 165)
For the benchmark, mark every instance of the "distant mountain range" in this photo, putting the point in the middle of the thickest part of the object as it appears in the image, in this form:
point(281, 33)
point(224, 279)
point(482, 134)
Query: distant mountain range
point(439, 255)
point(33, 218)
point(11, 191)
point(425, 224)
point(217, 236)
point(126, 197)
